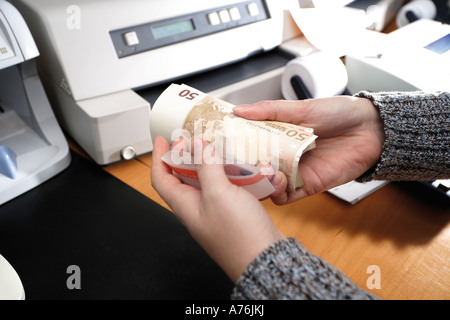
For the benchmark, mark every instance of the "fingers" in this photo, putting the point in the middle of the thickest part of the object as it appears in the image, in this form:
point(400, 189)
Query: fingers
point(267, 170)
point(280, 195)
point(162, 179)
point(180, 145)
point(284, 111)
point(211, 172)
point(160, 147)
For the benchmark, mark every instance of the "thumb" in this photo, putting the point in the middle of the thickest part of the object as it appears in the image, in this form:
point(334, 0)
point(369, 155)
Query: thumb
point(280, 195)
point(211, 172)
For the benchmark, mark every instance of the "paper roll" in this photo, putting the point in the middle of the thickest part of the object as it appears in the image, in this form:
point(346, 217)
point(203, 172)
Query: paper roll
point(324, 75)
point(422, 9)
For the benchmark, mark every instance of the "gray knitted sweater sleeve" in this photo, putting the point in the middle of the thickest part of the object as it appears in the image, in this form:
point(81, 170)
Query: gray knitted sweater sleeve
point(417, 129)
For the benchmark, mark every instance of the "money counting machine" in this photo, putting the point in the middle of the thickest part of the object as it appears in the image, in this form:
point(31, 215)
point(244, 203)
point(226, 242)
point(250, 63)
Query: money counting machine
point(101, 61)
point(32, 146)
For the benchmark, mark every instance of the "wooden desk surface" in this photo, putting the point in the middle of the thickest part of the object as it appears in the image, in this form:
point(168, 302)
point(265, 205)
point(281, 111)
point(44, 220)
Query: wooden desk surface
point(405, 235)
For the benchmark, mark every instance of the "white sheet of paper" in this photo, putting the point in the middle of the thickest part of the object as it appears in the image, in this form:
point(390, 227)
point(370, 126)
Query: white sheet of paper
point(338, 31)
point(353, 191)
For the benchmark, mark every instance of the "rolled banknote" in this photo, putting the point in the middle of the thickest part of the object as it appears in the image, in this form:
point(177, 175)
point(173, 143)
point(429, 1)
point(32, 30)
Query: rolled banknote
point(187, 113)
point(244, 175)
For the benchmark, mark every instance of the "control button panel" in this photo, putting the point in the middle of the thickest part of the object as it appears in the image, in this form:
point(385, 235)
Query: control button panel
point(253, 9)
point(235, 14)
point(131, 38)
point(213, 18)
point(224, 16)
point(153, 35)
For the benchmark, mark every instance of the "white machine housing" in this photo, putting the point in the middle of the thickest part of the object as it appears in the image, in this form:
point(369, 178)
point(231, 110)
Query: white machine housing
point(407, 61)
point(27, 123)
point(90, 76)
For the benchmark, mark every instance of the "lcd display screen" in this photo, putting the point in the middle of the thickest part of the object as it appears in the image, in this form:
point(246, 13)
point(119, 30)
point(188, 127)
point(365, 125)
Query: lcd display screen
point(172, 29)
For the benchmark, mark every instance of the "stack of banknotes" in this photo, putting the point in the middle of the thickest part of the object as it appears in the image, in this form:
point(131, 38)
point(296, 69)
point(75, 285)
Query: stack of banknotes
point(183, 112)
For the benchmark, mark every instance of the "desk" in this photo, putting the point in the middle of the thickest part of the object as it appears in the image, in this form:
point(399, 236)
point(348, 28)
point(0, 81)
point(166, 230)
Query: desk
point(398, 228)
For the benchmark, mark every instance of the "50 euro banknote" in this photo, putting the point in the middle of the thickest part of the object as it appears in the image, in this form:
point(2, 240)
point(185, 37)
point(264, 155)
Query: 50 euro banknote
point(187, 113)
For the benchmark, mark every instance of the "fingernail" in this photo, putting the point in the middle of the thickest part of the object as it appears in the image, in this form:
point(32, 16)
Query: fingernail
point(266, 169)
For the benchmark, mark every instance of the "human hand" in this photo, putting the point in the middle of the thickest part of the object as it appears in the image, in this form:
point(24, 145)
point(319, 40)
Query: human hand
point(227, 221)
point(350, 139)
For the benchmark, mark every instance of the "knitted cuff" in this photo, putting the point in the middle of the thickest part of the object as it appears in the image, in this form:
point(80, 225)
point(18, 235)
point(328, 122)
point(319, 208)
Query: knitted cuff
point(286, 270)
point(417, 130)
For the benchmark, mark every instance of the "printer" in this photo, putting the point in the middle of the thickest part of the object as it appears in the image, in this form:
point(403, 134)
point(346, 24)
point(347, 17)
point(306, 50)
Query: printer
point(32, 146)
point(414, 57)
point(101, 61)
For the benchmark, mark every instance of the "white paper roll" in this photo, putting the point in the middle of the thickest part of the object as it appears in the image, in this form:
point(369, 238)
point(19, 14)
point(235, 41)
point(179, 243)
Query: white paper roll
point(422, 9)
point(324, 75)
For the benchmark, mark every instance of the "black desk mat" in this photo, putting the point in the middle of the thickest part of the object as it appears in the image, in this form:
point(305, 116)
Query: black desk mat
point(126, 245)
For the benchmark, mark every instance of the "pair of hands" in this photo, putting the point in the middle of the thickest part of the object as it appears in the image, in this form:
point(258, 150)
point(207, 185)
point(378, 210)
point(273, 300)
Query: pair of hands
point(227, 221)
